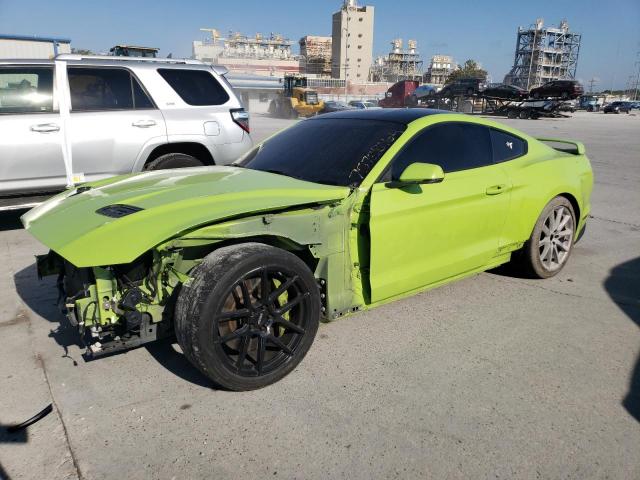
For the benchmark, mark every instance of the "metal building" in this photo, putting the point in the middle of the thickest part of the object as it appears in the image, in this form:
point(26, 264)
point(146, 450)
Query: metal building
point(315, 55)
point(256, 55)
point(439, 69)
point(399, 64)
point(23, 46)
point(352, 42)
point(544, 54)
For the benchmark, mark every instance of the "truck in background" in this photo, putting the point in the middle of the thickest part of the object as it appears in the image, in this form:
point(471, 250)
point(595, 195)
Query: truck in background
point(399, 94)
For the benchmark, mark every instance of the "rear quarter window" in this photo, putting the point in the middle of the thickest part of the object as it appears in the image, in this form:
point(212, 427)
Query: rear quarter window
point(195, 87)
point(506, 146)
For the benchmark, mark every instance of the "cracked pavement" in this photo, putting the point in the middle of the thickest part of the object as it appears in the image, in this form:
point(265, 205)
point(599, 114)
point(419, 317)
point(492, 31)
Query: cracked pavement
point(489, 377)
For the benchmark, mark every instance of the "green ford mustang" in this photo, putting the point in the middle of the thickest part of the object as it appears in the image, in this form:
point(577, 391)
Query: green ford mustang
point(336, 214)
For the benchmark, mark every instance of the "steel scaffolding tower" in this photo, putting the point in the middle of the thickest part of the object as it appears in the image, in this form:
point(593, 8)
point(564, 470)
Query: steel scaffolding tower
point(399, 64)
point(544, 54)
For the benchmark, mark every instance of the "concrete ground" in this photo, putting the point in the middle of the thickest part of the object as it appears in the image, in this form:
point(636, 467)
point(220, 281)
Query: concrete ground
point(490, 377)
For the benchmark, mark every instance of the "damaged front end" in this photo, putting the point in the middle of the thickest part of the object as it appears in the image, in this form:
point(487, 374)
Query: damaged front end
point(117, 307)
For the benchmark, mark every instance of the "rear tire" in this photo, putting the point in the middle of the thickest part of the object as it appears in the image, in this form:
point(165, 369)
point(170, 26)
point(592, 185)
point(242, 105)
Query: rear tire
point(173, 160)
point(549, 247)
point(235, 327)
point(524, 114)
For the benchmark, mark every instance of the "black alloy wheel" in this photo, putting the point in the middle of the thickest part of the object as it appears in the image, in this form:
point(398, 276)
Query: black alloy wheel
point(261, 322)
point(249, 315)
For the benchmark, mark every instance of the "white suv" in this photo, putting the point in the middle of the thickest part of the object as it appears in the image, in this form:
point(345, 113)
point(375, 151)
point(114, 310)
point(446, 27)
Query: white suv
point(78, 118)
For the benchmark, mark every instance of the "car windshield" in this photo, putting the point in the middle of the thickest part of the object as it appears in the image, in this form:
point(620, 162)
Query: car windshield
point(336, 151)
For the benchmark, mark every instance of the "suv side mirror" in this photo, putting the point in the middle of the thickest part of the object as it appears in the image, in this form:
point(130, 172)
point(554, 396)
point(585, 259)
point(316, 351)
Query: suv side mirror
point(418, 174)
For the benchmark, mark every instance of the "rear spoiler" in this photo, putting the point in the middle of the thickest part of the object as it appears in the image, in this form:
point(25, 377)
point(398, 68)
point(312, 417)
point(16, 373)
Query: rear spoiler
point(576, 148)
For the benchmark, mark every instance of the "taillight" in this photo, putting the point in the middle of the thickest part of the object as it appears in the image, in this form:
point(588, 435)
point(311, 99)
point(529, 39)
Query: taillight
point(241, 117)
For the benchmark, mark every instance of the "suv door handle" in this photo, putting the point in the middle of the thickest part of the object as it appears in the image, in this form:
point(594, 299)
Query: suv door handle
point(496, 189)
point(45, 128)
point(143, 123)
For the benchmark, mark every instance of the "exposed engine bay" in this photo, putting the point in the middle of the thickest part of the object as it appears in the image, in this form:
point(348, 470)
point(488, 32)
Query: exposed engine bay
point(116, 307)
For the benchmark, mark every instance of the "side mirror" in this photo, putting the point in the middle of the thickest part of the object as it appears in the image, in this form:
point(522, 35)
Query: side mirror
point(418, 174)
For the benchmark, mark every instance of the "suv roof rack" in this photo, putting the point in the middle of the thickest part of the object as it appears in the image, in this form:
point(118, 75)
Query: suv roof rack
point(75, 56)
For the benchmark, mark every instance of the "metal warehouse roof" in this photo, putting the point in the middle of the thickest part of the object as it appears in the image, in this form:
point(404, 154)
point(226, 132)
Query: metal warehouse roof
point(34, 38)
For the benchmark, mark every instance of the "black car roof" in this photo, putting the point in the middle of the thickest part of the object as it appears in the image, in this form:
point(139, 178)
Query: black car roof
point(398, 115)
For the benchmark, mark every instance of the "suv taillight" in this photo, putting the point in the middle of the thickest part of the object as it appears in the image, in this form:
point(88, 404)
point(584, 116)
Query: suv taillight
point(241, 117)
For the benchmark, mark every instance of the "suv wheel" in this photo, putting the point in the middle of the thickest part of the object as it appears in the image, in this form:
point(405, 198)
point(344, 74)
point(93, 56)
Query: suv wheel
point(173, 160)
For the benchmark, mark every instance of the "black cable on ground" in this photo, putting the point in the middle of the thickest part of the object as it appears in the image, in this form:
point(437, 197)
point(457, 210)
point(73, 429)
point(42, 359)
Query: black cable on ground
point(38, 416)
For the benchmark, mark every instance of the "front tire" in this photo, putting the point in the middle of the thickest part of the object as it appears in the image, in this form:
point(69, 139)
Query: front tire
point(549, 247)
point(249, 316)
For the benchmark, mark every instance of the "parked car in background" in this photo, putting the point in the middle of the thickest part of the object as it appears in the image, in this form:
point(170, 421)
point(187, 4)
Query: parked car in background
point(569, 106)
point(618, 107)
point(126, 115)
point(565, 89)
point(336, 106)
point(505, 92)
point(363, 104)
point(463, 86)
point(422, 93)
point(588, 103)
point(425, 90)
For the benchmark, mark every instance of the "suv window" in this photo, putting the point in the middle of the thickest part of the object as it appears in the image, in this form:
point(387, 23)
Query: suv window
point(195, 87)
point(454, 146)
point(26, 89)
point(506, 146)
point(96, 88)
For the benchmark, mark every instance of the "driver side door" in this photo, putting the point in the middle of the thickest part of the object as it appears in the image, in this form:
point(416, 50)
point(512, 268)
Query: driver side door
point(424, 234)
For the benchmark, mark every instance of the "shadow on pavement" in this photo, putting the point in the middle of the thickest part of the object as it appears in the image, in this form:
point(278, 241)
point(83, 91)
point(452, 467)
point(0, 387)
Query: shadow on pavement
point(42, 297)
point(166, 355)
point(10, 220)
point(623, 286)
point(21, 436)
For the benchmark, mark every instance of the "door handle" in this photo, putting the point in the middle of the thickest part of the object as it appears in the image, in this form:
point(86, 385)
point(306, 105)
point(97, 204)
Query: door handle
point(496, 189)
point(143, 123)
point(45, 128)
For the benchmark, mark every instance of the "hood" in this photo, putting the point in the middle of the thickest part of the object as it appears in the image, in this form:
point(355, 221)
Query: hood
point(167, 202)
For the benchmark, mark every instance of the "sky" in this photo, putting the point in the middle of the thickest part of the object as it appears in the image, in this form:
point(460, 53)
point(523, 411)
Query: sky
point(482, 30)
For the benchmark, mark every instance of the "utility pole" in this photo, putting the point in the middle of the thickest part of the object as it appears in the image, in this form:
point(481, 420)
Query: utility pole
point(635, 91)
point(592, 82)
point(347, 7)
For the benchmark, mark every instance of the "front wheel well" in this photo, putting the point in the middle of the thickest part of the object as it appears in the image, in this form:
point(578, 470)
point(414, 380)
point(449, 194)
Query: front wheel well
point(303, 252)
point(196, 150)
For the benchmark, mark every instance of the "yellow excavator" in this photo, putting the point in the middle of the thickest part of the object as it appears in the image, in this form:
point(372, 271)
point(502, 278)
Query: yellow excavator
point(296, 99)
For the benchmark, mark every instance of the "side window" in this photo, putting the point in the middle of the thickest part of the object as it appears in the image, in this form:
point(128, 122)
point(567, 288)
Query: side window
point(26, 89)
point(195, 87)
point(96, 89)
point(454, 146)
point(506, 146)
